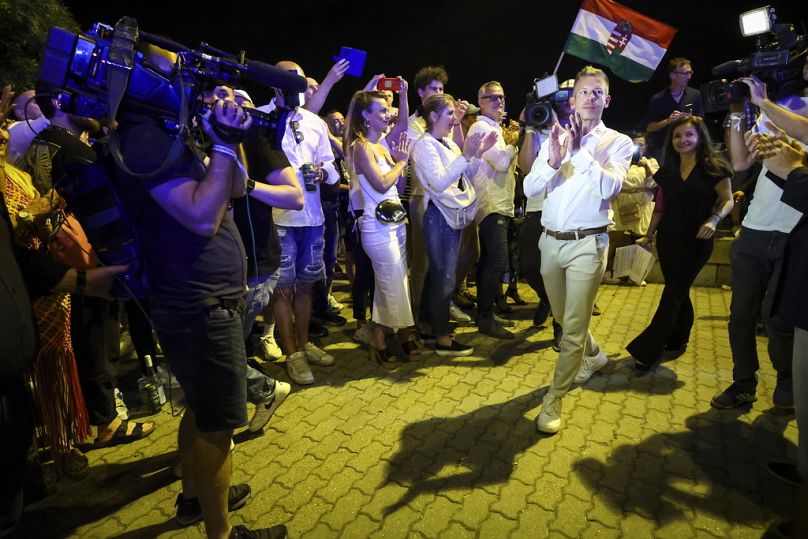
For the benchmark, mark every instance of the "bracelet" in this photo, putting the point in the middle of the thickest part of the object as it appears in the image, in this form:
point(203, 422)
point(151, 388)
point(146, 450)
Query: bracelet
point(718, 215)
point(223, 149)
point(81, 281)
point(250, 185)
point(457, 125)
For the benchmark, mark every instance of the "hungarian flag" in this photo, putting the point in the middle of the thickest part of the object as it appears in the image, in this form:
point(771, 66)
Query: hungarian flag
point(627, 42)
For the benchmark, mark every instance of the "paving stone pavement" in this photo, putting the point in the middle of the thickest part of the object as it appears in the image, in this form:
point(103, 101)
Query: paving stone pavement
point(449, 448)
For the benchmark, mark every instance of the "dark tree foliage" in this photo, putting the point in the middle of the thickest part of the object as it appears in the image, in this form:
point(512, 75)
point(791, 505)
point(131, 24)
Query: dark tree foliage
point(24, 26)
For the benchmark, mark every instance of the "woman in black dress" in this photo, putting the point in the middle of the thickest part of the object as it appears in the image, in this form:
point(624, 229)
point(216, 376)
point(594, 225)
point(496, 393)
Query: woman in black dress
point(694, 196)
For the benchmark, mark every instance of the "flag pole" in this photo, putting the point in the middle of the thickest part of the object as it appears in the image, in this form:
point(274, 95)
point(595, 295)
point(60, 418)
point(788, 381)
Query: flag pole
point(558, 64)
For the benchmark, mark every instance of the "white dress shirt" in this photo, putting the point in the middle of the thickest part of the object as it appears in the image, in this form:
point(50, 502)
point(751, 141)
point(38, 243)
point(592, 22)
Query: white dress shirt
point(495, 179)
point(577, 195)
point(314, 148)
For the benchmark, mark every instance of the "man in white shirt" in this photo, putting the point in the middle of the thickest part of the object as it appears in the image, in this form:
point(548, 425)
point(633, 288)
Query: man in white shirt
point(756, 259)
point(579, 170)
point(29, 122)
point(495, 183)
point(300, 232)
point(428, 81)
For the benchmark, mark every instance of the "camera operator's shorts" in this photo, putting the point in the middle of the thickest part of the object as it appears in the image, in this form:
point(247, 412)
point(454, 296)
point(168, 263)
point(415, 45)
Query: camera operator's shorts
point(301, 254)
point(205, 350)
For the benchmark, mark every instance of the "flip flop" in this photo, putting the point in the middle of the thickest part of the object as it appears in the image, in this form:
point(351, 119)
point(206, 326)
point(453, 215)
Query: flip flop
point(120, 436)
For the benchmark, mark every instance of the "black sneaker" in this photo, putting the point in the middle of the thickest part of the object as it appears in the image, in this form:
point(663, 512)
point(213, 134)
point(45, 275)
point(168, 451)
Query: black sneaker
point(785, 472)
point(493, 329)
point(316, 329)
point(189, 512)
point(454, 349)
point(332, 319)
point(557, 334)
point(542, 312)
point(783, 397)
point(242, 532)
point(732, 397)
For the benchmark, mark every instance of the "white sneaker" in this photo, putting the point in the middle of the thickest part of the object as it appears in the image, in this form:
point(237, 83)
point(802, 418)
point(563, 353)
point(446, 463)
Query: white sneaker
point(549, 420)
point(457, 314)
point(298, 369)
point(333, 305)
point(318, 356)
point(269, 348)
point(589, 366)
point(120, 405)
point(363, 334)
point(265, 409)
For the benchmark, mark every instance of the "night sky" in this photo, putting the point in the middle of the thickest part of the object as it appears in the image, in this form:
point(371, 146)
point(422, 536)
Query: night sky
point(509, 41)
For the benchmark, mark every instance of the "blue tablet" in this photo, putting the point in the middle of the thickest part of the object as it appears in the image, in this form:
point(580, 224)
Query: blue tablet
point(355, 57)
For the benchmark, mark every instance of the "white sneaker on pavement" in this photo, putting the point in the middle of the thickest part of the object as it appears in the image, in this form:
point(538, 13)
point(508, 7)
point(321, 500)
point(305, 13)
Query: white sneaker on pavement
point(316, 356)
point(269, 348)
point(265, 409)
point(457, 314)
point(549, 420)
point(333, 305)
point(298, 368)
point(363, 334)
point(589, 366)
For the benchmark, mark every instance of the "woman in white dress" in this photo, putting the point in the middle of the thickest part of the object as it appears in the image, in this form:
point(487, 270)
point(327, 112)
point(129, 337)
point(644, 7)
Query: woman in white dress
point(380, 174)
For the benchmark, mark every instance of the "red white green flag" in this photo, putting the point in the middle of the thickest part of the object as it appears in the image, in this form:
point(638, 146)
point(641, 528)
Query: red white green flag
point(630, 44)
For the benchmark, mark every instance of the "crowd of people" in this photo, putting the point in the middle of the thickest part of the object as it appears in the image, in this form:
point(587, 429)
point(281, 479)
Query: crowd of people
point(242, 244)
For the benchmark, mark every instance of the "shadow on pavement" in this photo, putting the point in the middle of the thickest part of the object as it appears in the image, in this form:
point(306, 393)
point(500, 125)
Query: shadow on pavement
point(464, 452)
point(715, 467)
point(108, 488)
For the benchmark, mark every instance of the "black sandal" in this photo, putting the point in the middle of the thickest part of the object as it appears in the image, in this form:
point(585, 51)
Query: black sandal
point(411, 350)
point(384, 358)
point(120, 435)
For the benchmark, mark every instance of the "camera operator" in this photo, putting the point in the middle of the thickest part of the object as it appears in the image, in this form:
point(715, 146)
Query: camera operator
point(531, 229)
point(198, 271)
point(675, 101)
point(756, 259)
point(788, 161)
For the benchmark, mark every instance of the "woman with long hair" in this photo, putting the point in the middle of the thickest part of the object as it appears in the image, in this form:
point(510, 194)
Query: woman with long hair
point(694, 196)
point(441, 166)
point(380, 174)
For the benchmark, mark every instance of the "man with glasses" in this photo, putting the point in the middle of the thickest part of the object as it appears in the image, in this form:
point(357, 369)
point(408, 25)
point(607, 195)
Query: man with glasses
point(306, 144)
point(579, 169)
point(675, 101)
point(495, 182)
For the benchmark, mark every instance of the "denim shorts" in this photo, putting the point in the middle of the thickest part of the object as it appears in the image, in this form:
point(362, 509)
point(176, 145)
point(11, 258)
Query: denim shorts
point(301, 254)
point(205, 350)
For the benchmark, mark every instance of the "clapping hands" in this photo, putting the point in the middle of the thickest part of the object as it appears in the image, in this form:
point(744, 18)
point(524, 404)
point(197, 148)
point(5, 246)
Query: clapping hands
point(478, 143)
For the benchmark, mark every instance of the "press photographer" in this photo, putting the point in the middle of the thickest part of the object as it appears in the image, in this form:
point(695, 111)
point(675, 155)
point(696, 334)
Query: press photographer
point(756, 256)
point(164, 104)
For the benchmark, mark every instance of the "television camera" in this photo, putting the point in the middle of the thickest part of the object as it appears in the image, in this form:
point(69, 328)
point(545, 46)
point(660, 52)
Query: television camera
point(777, 61)
point(119, 73)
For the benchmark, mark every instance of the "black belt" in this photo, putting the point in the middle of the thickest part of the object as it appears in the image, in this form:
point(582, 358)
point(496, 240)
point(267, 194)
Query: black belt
point(574, 234)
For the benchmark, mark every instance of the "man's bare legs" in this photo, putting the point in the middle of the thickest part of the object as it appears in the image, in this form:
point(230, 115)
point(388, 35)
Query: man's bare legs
point(206, 467)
